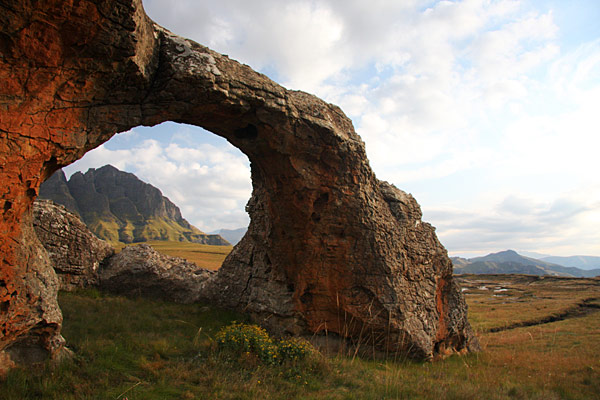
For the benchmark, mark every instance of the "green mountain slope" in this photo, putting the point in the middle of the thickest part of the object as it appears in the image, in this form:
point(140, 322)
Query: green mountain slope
point(118, 207)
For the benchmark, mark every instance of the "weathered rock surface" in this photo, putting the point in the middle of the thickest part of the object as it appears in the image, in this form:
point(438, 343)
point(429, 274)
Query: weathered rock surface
point(32, 307)
point(329, 247)
point(117, 206)
point(75, 253)
point(141, 270)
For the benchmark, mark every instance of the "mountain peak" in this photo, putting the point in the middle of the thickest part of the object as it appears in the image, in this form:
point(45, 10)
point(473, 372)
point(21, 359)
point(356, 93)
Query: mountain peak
point(119, 207)
point(507, 253)
point(109, 167)
point(501, 256)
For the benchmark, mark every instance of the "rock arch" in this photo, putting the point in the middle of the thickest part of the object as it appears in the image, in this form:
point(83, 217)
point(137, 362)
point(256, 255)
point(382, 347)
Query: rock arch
point(329, 247)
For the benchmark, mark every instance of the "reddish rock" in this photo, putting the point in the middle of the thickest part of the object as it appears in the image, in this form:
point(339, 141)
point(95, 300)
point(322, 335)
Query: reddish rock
point(329, 247)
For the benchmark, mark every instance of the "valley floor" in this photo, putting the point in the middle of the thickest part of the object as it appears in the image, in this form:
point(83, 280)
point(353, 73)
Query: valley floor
point(145, 349)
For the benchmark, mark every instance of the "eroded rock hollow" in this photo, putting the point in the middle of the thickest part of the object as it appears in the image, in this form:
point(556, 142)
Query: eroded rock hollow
point(329, 247)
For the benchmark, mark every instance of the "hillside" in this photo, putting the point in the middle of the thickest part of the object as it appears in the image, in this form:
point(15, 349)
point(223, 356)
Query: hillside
point(510, 262)
point(119, 207)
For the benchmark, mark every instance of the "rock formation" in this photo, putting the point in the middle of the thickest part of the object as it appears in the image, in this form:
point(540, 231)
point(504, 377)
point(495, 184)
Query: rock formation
point(329, 247)
point(75, 253)
point(141, 270)
point(119, 207)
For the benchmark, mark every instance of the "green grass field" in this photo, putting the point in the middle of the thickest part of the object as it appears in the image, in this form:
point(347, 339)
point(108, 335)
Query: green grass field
point(145, 349)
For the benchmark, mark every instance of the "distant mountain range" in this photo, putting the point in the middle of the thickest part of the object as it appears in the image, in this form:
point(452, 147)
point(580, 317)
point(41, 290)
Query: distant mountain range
point(119, 207)
point(510, 262)
point(583, 262)
point(233, 236)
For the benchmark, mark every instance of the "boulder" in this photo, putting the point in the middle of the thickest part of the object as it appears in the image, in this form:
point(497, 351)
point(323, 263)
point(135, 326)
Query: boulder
point(74, 251)
point(329, 249)
point(141, 270)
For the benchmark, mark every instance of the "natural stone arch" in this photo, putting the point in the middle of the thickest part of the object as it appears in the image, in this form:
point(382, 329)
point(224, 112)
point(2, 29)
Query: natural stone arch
point(329, 247)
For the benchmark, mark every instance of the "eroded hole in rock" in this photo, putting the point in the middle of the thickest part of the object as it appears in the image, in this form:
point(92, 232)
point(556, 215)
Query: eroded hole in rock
point(49, 166)
point(318, 206)
point(249, 132)
point(5, 43)
point(177, 187)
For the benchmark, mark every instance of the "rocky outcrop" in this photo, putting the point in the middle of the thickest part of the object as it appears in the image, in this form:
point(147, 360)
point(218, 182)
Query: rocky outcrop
point(395, 289)
point(141, 270)
point(329, 247)
point(75, 253)
point(119, 207)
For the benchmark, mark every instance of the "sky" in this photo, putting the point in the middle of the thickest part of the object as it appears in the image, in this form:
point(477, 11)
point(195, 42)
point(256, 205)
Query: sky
point(488, 112)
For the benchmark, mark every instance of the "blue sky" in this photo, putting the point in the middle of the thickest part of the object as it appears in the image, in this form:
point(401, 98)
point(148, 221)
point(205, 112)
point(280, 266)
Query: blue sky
point(486, 111)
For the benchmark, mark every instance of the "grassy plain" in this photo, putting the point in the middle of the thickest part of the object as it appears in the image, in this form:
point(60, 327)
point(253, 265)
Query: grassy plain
point(203, 255)
point(145, 349)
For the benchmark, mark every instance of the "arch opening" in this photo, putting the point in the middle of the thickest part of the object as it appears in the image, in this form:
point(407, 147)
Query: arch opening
point(202, 174)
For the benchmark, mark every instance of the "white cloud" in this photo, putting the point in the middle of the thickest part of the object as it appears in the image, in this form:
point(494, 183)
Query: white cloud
point(565, 226)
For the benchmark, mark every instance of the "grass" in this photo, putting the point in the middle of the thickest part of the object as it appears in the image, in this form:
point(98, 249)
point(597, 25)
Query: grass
point(145, 349)
point(496, 301)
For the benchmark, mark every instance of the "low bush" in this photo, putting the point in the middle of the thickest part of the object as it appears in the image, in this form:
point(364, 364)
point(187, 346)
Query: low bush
point(294, 349)
point(245, 340)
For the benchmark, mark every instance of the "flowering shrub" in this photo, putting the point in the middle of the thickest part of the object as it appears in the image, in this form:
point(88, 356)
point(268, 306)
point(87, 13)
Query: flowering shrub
point(243, 339)
point(294, 349)
point(251, 339)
